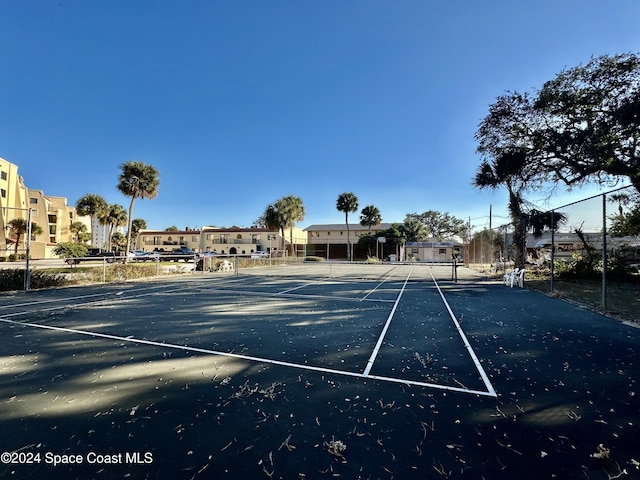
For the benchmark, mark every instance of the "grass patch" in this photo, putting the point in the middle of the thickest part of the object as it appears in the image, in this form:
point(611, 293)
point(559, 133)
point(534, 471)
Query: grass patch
point(623, 298)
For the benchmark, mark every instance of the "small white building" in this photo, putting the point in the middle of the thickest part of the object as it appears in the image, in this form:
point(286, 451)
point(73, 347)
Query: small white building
point(432, 251)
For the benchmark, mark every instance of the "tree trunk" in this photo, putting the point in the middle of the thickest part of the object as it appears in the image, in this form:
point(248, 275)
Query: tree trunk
point(126, 253)
point(346, 219)
point(519, 227)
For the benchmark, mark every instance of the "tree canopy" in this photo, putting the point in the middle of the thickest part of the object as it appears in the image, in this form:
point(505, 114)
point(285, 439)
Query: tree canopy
point(348, 203)
point(137, 180)
point(284, 213)
point(581, 126)
point(435, 224)
point(370, 217)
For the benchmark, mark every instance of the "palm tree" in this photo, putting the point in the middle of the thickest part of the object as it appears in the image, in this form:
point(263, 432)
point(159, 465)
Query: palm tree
point(347, 202)
point(285, 213)
point(119, 240)
point(137, 180)
point(370, 217)
point(20, 226)
point(506, 169)
point(272, 219)
point(79, 230)
point(622, 199)
point(92, 205)
point(538, 221)
point(116, 217)
point(137, 225)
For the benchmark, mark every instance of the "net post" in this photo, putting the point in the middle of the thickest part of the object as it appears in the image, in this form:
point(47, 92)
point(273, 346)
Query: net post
point(553, 250)
point(604, 252)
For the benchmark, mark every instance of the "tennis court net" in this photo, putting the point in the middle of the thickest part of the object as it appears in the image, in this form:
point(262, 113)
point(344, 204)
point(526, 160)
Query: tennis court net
point(373, 271)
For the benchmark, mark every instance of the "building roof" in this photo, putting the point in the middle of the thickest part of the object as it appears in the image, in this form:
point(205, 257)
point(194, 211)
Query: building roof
point(343, 226)
point(431, 244)
point(170, 232)
point(240, 229)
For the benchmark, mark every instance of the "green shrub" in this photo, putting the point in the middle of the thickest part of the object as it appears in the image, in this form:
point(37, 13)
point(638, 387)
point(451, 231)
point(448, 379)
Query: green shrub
point(119, 272)
point(13, 279)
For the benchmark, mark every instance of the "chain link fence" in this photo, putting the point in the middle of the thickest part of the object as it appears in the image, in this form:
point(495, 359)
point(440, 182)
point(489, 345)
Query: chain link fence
point(586, 251)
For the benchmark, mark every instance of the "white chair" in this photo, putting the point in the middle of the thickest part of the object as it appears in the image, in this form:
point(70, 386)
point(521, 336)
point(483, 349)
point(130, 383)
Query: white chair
point(518, 279)
point(509, 276)
point(226, 266)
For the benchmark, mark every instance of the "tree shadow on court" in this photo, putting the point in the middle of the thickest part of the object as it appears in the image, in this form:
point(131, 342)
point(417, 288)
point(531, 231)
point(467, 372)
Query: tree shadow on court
point(566, 382)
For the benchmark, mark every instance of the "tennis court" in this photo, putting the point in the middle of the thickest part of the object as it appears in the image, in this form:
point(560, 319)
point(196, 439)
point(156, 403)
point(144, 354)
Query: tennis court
point(314, 371)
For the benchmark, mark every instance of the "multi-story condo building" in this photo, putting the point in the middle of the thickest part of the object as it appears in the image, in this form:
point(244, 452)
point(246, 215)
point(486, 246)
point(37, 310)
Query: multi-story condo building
point(13, 204)
point(51, 214)
point(100, 233)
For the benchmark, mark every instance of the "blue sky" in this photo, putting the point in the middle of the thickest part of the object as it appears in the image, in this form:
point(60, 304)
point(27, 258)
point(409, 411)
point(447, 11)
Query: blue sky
point(238, 103)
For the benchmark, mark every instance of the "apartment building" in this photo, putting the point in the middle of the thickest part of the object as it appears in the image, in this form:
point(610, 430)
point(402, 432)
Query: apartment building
point(166, 240)
point(251, 240)
point(51, 214)
point(224, 241)
point(330, 240)
point(13, 204)
point(54, 217)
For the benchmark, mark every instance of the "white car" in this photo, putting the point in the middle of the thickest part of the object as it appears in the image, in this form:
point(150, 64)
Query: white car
point(260, 255)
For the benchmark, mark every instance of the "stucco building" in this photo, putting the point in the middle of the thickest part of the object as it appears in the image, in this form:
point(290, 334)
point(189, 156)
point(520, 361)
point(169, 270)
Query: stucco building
point(51, 214)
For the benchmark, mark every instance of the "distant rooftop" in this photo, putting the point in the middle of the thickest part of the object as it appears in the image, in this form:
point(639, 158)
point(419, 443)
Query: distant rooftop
point(343, 226)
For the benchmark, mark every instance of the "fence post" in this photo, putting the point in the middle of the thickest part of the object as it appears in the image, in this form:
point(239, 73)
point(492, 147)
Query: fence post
point(553, 250)
point(604, 251)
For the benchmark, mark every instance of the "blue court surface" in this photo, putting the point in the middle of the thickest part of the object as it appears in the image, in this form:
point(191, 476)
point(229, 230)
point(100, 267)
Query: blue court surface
point(384, 372)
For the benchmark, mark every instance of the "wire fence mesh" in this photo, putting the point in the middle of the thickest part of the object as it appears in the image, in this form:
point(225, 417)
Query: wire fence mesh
point(584, 251)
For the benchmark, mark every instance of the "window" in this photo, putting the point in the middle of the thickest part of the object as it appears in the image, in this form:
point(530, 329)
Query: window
point(442, 251)
point(33, 200)
point(223, 238)
point(194, 239)
point(209, 236)
point(156, 240)
point(3, 193)
point(3, 175)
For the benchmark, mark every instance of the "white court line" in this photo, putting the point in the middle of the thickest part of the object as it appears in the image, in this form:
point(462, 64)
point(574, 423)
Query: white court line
point(298, 287)
point(248, 358)
point(296, 295)
point(374, 354)
point(379, 285)
point(481, 371)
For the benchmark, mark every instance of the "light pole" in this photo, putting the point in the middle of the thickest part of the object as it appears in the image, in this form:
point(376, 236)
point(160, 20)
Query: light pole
point(27, 243)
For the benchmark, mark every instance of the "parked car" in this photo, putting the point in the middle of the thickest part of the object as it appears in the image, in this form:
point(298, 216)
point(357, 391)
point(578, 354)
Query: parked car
point(142, 256)
point(177, 254)
point(260, 255)
point(97, 254)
